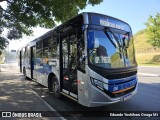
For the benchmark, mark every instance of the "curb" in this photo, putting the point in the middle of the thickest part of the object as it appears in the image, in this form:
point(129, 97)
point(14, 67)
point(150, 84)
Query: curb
point(50, 107)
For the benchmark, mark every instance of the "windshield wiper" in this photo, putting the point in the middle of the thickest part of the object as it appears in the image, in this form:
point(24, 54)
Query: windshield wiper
point(114, 37)
point(115, 43)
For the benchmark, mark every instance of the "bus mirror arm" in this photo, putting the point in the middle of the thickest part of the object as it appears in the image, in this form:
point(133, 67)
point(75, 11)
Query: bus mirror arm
point(83, 58)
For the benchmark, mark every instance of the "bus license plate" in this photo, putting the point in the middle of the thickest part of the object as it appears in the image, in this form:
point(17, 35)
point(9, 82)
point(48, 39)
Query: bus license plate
point(127, 97)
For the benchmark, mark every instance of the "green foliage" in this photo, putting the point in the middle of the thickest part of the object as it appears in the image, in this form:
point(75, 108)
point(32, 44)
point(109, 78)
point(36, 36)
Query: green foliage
point(153, 30)
point(3, 44)
point(140, 32)
point(140, 42)
point(146, 54)
point(156, 58)
point(21, 16)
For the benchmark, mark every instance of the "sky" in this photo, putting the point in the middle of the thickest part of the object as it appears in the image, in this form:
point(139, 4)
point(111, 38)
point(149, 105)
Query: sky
point(134, 12)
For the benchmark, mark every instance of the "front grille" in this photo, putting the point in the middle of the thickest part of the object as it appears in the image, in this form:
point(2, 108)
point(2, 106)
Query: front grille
point(121, 75)
point(119, 94)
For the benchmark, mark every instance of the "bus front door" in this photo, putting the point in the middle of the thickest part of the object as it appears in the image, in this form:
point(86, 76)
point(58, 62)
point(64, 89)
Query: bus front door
point(69, 60)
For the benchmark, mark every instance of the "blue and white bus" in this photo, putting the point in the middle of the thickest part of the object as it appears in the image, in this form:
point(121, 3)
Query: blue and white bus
point(89, 59)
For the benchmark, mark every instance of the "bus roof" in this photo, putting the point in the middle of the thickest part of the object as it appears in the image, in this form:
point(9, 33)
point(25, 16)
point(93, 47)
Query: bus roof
point(93, 19)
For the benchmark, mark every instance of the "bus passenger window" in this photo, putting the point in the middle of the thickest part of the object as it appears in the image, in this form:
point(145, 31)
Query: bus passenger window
point(53, 47)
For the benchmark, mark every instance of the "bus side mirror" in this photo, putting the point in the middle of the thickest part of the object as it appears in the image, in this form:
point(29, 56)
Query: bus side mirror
point(126, 40)
point(125, 43)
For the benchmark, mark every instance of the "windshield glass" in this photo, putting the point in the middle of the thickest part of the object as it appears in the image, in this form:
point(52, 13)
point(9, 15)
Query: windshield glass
point(110, 49)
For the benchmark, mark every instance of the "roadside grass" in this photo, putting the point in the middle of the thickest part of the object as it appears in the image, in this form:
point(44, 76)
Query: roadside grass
point(148, 59)
point(1, 62)
point(146, 54)
point(158, 65)
point(140, 42)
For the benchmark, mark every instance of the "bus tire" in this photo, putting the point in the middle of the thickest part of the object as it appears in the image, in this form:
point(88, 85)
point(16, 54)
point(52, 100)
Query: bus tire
point(24, 73)
point(56, 87)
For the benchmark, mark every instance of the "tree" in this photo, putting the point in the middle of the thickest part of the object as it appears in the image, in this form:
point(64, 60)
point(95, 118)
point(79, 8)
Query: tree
point(153, 30)
point(3, 43)
point(21, 16)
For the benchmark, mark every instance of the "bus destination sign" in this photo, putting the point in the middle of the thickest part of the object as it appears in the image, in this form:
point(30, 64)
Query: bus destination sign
point(106, 22)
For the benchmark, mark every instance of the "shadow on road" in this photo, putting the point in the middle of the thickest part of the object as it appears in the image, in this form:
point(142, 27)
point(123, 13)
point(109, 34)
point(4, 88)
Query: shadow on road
point(14, 94)
point(147, 99)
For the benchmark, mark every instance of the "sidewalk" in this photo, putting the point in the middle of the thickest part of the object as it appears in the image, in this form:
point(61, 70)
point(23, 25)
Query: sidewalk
point(16, 96)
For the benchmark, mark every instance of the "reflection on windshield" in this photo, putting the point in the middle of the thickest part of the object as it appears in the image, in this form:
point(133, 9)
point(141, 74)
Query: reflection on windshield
point(111, 51)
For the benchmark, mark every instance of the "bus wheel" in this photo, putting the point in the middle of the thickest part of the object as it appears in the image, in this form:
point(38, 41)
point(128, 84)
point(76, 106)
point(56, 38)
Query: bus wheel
point(56, 87)
point(24, 73)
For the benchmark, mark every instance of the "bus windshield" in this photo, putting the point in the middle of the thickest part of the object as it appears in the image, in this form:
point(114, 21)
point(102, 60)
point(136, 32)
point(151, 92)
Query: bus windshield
point(110, 48)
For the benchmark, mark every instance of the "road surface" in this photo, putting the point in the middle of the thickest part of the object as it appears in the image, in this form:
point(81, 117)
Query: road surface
point(147, 98)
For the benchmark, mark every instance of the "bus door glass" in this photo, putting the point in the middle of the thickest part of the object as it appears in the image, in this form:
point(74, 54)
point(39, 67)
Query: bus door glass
point(33, 63)
point(20, 60)
point(69, 53)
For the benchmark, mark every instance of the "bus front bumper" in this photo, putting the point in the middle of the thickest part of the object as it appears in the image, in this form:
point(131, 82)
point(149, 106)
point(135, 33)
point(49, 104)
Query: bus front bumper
point(99, 98)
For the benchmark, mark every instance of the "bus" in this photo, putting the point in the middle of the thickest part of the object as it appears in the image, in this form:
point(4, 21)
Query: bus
point(90, 59)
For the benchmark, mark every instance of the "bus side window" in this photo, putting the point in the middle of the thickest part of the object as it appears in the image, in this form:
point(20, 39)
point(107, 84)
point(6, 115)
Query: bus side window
point(45, 51)
point(80, 50)
point(39, 53)
point(53, 47)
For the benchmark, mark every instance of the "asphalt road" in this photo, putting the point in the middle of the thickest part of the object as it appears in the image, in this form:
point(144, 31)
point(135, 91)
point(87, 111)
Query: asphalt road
point(149, 71)
point(147, 99)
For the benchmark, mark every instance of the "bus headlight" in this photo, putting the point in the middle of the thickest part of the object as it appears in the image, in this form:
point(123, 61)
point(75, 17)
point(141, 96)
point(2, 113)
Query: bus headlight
point(97, 83)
